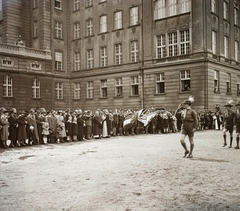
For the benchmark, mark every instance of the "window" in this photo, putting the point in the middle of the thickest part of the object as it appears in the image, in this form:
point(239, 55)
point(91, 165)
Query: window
point(134, 85)
point(7, 62)
point(77, 91)
point(103, 24)
point(118, 87)
point(35, 88)
point(172, 44)
point(35, 66)
point(35, 4)
point(214, 42)
point(225, 10)
point(76, 30)
point(58, 29)
point(77, 61)
point(103, 55)
point(185, 6)
point(57, 4)
point(7, 86)
point(134, 51)
point(133, 16)
point(228, 83)
point(90, 89)
point(226, 46)
point(90, 59)
point(160, 83)
point(118, 53)
point(103, 88)
point(236, 50)
point(59, 90)
point(238, 85)
point(185, 80)
point(35, 29)
point(160, 6)
point(76, 5)
point(236, 12)
point(118, 20)
point(172, 7)
point(89, 3)
point(184, 42)
point(161, 46)
point(89, 24)
point(213, 6)
point(58, 60)
point(216, 81)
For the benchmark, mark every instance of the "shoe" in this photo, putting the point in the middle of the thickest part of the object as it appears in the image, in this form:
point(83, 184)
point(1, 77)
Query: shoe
point(189, 156)
point(224, 145)
point(237, 147)
point(185, 154)
point(230, 146)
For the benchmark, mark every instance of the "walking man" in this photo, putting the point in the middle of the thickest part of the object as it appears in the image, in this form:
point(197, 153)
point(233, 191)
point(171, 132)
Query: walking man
point(189, 126)
point(237, 121)
point(228, 123)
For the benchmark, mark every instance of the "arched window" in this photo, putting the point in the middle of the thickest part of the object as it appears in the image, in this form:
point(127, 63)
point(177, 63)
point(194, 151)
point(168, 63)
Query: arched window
point(7, 86)
point(35, 88)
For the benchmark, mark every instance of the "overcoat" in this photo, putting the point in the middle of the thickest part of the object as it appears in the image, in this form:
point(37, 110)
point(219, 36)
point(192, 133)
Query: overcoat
point(22, 132)
point(5, 124)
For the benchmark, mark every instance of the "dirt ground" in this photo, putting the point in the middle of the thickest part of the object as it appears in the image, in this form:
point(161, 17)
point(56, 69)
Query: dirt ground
point(142, 172)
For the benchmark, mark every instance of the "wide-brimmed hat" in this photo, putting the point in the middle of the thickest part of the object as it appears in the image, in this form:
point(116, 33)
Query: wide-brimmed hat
point(187, 102)
point(238, 103)
point(228, 104)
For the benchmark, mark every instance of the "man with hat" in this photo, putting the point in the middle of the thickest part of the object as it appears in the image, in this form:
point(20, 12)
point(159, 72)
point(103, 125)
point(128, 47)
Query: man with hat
point(237, 121)
point(189, 126)
point(228, 123)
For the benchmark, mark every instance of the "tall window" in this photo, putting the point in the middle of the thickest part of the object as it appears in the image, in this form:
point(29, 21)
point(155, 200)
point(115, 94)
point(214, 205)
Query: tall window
point(103, 55)
point(225, 10)
point(226, 46)
point(238, 85)
point(77, 91)
point(59, 90)
point(103, 23)
point(236, 13)
point(184, 42)
point(134, 85)
point(90, 89)
point(161, 46)
point(118, 20)
point(77, 61)
point(7, 86)
point(76, 27)
point(216, 81)
point(35, 88)
point(118, 87)
point(58, 29)
point(228, 83)
point(214, 42)
point(89, 3)
point(76, 5)
point(90, 59)
point(133, 16)
point(185, 80)
point(172, 7)
point(213, 6)
point(118, 53)
point(35, 4)
point(57, 4)
point(160, 6)
point(89, 24)
point(35, 29)
point(160, 83)
point(172, 44)
point(103, 88)
point(58, 60)
point(134, 51)
point(236, 50)
point(185, 6)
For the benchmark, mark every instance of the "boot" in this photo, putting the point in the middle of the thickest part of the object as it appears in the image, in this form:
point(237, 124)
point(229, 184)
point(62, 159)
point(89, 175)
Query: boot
point(120, 131)
point(4, 144)
point(225, 142)
point(237, 139)
point(11, 145)
point(230, 146)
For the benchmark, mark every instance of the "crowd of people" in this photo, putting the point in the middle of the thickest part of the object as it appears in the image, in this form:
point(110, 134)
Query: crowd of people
point(41, 126)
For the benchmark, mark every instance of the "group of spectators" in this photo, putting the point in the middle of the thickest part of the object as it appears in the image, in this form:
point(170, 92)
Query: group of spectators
point(41, 126)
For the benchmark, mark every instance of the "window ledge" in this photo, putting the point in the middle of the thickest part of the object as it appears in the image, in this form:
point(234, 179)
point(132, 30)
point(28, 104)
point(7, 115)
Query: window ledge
point(114, 30)
point(101, 33)
point(89, 36)
point(89, 98)
point(185, 92)
point(34, 98)
point(88, 6)
point(157, 94)
point(118, 97)
point(217, 92)
point(6, 97)
point(76, 10)
point(58, 38)
point(35, 37)
point(228, 93)
point(59, 99)
point(76, 99)
point(133, 96)
point(138, 24)
point(102, 2)
point(77, 39)
point(56, 8)
point(103, 98)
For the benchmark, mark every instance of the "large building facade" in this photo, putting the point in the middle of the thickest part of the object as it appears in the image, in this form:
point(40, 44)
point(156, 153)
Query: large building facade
point(111, 54)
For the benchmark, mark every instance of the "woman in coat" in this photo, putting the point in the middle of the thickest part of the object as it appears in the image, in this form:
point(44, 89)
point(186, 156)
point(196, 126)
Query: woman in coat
point(80, 124)
point(22, 131)
point(4, 127)
point(97, 125)
point(13, 127)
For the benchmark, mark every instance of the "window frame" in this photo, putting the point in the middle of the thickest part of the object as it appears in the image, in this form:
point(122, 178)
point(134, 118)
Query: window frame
point(103, 56)
point(35, 29)
point(134, 51)
point(160, 83)
point(236, 50)
point(90, 58)
point(36, 88)
point(76, 5)
point(134, 18)
point(160, 6)
point(185, 81)
point(214, 42)
point(7, 86)
point(118, 56)
point(134, 85)
point(89, 3)
point(90, 90)
point(184, 42)
point(77, 91)
point(225, 10)
point(58, 63)
point(59, 90)
point(235, 15)
point(226, 46)
point(173, 45)
point(118, 86)
point(58, 2)
point(161, 46)
point(103, 88)
point(216, 81)
point(213, 6)
point(172, 4)
point(77, 60)
point(118, 19)
point(89, 27)
point(103, 24)
point(228, 83)
point(238, 85)
point(77, 30)
point(58, 29)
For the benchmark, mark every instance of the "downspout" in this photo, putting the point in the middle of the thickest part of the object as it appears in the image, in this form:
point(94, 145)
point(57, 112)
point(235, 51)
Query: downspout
point(142, 61)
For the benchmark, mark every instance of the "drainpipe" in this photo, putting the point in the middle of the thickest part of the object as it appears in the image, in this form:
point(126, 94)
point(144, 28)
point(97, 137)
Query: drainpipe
point(142, 61)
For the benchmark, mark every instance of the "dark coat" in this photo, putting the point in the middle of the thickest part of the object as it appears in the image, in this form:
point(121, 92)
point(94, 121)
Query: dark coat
point(97, 125)
point(13, 127)
point(22, 131)
point(80, 125)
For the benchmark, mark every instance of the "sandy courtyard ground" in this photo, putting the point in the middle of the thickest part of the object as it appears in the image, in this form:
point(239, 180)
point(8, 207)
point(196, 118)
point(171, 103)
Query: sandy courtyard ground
point(143, 172)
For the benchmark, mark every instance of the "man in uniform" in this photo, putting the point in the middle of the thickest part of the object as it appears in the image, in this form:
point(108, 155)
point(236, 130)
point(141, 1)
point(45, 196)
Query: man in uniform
point(189, 126)
point(237, 121)
point(228, 123)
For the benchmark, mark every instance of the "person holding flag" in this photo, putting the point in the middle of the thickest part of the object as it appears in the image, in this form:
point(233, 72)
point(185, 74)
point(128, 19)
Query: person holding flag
point(189, 126)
